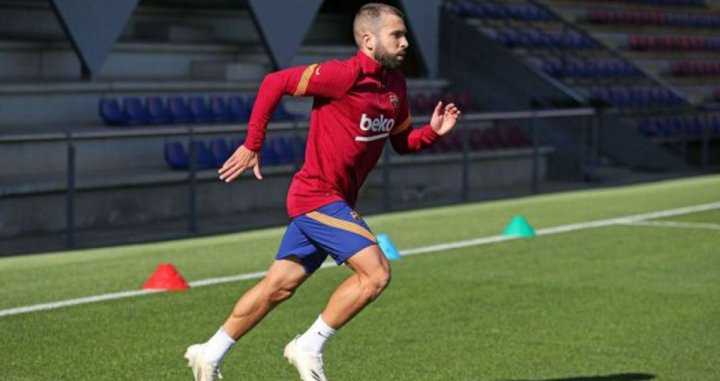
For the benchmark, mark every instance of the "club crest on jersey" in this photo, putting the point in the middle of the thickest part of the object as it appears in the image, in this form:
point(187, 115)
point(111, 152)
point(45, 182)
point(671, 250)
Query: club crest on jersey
point(355, 215)
point(394, 101)
point(380, 124)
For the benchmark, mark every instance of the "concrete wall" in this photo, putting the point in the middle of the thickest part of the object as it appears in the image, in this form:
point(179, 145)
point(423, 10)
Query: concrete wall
point(168, 199)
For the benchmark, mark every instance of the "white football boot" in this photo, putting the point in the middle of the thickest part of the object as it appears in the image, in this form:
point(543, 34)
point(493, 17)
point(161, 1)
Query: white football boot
point(309, 365)
point(202, 370)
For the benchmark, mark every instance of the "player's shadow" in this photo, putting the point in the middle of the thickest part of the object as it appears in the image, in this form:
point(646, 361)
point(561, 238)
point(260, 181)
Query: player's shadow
point(609, 377)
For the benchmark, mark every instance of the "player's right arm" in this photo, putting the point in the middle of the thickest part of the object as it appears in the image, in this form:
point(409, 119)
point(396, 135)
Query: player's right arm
point(330, 79)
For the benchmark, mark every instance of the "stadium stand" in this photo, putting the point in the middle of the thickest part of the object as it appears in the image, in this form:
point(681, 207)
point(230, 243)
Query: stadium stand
point(182, 80)
point(657, 37)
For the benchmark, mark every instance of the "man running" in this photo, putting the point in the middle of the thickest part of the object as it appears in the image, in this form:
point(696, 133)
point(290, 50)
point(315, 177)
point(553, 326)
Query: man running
point(358, 104)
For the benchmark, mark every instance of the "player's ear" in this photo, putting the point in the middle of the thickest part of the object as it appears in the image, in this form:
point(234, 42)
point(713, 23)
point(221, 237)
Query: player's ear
point(368, 41)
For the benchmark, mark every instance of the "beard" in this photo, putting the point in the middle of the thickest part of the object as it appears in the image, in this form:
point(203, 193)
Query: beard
point(387, 60)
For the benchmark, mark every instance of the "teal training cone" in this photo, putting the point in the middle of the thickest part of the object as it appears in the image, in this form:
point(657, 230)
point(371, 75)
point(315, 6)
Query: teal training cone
point(387, 247)
point(519, 227)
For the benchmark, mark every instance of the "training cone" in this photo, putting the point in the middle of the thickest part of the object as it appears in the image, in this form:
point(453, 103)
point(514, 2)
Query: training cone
point(519, 227)
point(387, 247)
point(166, 277)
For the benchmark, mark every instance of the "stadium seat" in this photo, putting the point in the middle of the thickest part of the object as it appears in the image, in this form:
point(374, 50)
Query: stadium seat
point(179, 110)
point(204, 157)
point(111, 113)
point(219, 110)
point(158, 111)
point(268, 154)
point(283, 115)
point(199, 110)
point(135, 112)
point(175, 155)
point(220, 151)
point(298, 144)
point(239, 110)
point(285, 147)
point(235, 143)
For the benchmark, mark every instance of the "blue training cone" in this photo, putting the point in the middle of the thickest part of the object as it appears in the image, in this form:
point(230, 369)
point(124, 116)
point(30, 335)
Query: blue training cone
point(519, 227)
point(388, 248)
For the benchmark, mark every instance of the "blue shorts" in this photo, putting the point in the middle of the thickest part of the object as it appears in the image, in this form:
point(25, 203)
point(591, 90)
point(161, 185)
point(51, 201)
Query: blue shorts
point(333, 229)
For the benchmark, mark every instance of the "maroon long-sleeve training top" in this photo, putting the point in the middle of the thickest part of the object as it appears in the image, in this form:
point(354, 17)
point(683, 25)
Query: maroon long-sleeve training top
point(357, 105)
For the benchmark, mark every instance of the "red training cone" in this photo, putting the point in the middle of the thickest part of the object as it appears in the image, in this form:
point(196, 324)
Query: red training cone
point(166, 277)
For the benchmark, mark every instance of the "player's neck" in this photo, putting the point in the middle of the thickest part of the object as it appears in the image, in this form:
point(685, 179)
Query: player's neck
point(370, 64)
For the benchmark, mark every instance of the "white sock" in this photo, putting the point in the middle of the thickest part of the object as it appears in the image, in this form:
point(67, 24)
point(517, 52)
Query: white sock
point(314, 338)
point(217, 346)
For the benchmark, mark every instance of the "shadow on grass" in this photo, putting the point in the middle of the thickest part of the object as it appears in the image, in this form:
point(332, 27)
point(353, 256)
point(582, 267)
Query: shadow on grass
point(609, 377)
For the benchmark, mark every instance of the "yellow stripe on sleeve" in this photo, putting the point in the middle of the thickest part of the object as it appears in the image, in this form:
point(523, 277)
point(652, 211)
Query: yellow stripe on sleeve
point(304, 80)
point(342, 224)
point(402, 126)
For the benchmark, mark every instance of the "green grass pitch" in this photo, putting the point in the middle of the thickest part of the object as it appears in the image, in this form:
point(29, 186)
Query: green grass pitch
point(612, 303)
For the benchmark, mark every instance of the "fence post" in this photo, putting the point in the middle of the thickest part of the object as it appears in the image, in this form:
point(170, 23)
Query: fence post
point(465, 162)
point(535, 152)
point(386, 178)
point(70, 193)
point(595, 143)
point(192, 181)
point(706, 143)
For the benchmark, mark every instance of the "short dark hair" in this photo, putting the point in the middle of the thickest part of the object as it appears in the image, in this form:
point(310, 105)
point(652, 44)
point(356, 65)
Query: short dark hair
point(374, 10)
point(370, 14)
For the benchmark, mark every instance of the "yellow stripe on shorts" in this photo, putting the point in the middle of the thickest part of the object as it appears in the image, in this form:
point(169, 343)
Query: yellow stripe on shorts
point(342, 224)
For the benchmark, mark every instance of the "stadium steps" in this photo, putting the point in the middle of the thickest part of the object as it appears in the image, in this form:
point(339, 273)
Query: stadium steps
point(620, 5)
point(183, 33)
point(656, 62)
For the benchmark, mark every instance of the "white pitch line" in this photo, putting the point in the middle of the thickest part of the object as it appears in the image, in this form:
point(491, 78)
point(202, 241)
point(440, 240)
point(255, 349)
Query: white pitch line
point(75, 302)
point(675, 224)
point(567, 228)
point(420, 250)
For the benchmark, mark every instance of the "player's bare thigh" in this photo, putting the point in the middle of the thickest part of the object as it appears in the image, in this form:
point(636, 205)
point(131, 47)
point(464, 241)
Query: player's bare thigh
point(284, 276)
point(370, 262)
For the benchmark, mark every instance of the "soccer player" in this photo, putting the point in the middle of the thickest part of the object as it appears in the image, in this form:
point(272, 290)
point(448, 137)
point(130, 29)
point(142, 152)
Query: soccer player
point(359, 104)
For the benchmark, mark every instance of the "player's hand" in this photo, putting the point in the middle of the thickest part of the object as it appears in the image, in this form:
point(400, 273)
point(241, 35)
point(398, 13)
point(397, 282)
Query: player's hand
point(443, 119)
point(241, 160)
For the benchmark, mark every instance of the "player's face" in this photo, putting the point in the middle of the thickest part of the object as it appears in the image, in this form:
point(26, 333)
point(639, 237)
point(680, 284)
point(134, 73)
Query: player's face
point(391, 42)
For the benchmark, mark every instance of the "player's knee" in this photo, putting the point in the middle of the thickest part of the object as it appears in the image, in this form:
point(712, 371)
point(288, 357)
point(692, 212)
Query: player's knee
point(377, 281)
point(279, 294)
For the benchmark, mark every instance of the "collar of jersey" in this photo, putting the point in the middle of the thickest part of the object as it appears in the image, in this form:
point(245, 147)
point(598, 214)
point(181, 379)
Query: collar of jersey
point(369, 66)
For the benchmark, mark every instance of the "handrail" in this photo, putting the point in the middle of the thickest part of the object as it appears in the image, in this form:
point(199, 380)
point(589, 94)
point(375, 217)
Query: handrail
point(183, 130)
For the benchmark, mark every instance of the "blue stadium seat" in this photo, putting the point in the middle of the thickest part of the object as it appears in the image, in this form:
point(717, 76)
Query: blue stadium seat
point(135, 112)
point(268, 153)
point(111, 113)
point(199, 110)
point(158, 111)
point(175, 155)
point(299, 144)
point(238, 109)
point(282, 114)
point(646, 127)
point(220, 151)
point(179, 110)
point(235, 143)
point(283, 150)
point(204, 158)
point(219, 110)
